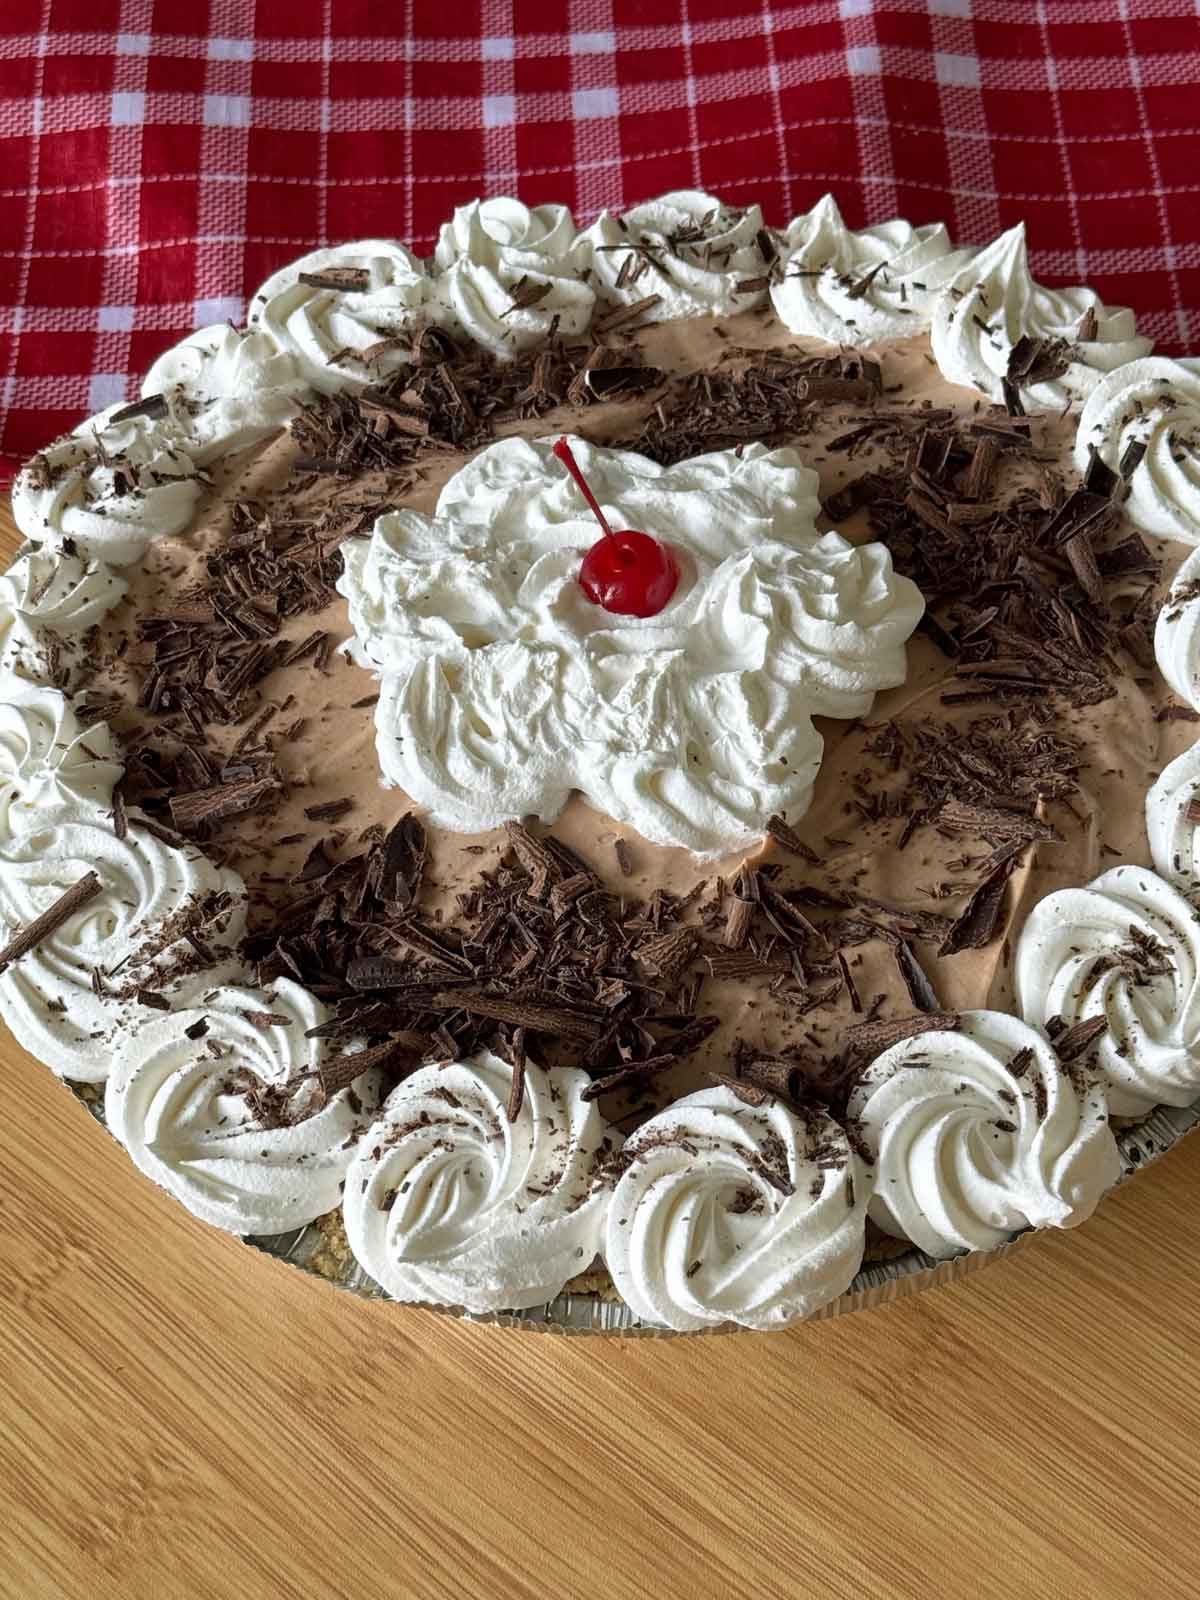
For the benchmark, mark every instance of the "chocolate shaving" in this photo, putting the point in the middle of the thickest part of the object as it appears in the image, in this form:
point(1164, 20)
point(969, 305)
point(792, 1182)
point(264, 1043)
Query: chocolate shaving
point(670, 953)
point(516, 1093)
point(329, 810)
point(870, 1039)
point(916, 980)
point(342, 280)
point(778, 1075)
point(340, 1072)
point(624, 317)
point(993, 822)
point(979, 921)
point(415, 936)
point(120, 818)
point(535, 1015)
point(748, 1093)
point(742, 905)
point(1077, 1041)
point(402, 864)
point(788, 839)
point(203, 807)
point(50, 920)
point(1032, 360)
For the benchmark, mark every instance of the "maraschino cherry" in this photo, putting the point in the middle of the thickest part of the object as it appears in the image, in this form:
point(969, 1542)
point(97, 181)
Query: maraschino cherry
point(627, 572)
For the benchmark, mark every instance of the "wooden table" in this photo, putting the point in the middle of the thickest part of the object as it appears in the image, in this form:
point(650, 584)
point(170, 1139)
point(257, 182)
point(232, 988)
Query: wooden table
point(181, 1417)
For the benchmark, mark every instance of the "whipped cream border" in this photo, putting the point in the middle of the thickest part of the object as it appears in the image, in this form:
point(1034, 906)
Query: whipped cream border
point(45, 537)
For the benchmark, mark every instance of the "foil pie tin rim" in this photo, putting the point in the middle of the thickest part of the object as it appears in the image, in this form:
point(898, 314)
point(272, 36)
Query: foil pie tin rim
point(877, 1283)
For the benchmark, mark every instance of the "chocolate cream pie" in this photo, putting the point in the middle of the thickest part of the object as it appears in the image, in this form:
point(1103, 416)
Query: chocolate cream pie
point(686, 939)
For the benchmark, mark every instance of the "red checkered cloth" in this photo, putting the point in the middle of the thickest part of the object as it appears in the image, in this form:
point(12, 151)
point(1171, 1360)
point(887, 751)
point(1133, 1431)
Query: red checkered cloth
point(159, 157)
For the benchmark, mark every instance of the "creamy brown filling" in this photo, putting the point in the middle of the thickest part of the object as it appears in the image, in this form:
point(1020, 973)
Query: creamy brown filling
point(321, 735)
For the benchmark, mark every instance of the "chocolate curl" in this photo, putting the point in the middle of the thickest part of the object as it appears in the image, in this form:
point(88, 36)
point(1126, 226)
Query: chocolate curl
point(776, 1074)
point(741, 910)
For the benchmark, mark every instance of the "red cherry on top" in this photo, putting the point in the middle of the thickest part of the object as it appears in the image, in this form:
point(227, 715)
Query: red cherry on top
point(627, 573)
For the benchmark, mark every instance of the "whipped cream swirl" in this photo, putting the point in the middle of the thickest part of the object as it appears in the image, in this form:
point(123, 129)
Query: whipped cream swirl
point(235, 1123)
point(1177, 632)
point(993, 300)
point(856, 288)
point(373, 291)
point(509, 271)
point(49, 762)
point(111, 488)
point(730, 1213)
point(1127, 949)
point(1146, 416)
point(48, 601)
point(979, 1133)
point(449, 1202)
point(1174, 841)
point(687, 248)
point(504, 687)
point(71, 996)
point(226, 389)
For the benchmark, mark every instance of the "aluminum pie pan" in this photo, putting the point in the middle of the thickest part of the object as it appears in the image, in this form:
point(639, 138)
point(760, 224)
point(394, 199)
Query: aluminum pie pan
point(877, 1283)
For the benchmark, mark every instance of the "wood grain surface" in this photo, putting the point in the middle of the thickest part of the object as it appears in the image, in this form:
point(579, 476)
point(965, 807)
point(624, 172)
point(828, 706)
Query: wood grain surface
point(182, 1417)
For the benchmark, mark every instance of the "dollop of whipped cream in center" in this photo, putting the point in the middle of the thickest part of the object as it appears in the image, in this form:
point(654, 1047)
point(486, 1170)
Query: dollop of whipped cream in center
point(994, 300)
point(508, 271)
point(686, 247)
point(1144, 421)
point(449, 1201)
point(503, 687)
point(731, 1213)
point(855, 288)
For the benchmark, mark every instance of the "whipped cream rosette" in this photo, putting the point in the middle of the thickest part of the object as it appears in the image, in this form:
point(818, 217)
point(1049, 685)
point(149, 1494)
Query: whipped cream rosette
point(980, 1132)
point(50, 762)
point(450, 1202)
point(1174, 839)
point(1177, 632)
point(1144, 420)
point(1126, 949)
point(226, 388)
point(225, 1106)
point(111, 487)
point(71, 997)
point(509, 271)
point(504, 687)
point(993, 301)
point(48, 602)
point(686, 247)
point(337, 324)
point(726, 1212)
point(858, 287)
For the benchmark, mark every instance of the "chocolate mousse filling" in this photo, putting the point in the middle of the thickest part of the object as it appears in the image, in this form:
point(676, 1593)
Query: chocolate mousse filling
point(1011, 762)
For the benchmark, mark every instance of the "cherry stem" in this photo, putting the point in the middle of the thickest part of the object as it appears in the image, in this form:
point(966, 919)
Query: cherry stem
point(563, 451)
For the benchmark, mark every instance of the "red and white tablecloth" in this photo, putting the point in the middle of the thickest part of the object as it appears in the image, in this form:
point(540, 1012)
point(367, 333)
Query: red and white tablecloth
point(159, 157)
